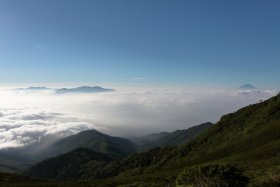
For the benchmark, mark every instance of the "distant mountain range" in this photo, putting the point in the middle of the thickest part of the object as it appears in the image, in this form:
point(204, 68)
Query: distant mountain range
point(82, 89)
point(96, 89)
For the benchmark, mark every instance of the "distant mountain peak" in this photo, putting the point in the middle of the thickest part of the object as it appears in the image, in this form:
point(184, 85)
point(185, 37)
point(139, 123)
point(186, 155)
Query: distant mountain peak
point(247, 87)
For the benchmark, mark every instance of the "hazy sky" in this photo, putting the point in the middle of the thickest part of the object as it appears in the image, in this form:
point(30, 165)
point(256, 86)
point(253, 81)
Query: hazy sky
point(149, 42)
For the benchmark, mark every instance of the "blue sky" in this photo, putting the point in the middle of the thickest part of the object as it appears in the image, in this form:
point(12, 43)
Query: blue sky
point(144, 42)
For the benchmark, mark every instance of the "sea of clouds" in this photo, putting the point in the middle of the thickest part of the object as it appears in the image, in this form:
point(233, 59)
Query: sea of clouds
point(28, 117)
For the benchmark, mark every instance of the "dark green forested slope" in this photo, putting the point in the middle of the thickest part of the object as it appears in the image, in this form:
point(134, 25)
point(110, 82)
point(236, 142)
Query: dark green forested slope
point(249, 139)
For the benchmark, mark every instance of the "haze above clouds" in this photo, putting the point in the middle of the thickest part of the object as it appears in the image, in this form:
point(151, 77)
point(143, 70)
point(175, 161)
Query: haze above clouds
point(31, 117)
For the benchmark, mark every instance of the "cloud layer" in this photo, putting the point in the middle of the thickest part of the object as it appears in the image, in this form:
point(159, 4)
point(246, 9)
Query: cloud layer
point(31, 117)
point(24, 126)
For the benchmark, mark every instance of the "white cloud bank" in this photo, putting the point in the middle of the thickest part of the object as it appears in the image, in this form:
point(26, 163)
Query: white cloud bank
point(24, 126)
point(32, 117)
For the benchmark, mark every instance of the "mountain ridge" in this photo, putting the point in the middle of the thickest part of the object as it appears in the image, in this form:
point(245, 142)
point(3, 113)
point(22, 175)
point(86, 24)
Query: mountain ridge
point(83, 89)
point(170, 138)
point(93, 140)
point(80, 89)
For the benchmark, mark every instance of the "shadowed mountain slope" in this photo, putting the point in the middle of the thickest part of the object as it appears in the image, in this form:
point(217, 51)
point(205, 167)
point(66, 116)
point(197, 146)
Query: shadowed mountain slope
point(92, 140)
